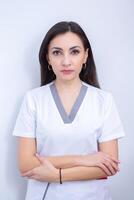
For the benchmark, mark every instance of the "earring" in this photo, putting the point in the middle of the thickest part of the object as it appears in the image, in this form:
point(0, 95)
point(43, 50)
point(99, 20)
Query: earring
point(84, 65)
point(49, 67)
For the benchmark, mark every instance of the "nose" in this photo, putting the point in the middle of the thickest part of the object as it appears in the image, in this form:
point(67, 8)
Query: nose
point(66, 60)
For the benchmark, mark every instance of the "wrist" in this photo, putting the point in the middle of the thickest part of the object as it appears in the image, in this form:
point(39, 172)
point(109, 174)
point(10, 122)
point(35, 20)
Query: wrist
point(60, 176)
point(56, 176)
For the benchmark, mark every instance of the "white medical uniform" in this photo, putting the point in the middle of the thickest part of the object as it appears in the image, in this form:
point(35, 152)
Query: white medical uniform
point(93, 119)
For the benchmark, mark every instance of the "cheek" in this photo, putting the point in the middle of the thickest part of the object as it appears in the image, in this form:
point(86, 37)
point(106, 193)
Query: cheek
point(78, 62)
point(55, 62)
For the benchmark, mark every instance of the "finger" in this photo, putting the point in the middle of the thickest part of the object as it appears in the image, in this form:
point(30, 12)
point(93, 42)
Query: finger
point(28, 173)
point(110, 168)
point(105, 169)
point(32, 177)
point(36, 177)
point(113, 159)
point(40, 158)
point(37, 155)
point(48, 163)
point(114, 165)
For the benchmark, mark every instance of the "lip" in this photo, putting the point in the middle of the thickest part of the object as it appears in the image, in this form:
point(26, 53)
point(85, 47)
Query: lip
point(67, 71)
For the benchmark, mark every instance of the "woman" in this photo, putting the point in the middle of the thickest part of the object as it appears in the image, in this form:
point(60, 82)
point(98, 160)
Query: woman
point(68, 128)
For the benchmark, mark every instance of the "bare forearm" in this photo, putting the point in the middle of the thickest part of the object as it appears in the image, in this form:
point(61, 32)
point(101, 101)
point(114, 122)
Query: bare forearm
point(66, 161)
point(82, 173)
point(63, 162)
point(28, 164)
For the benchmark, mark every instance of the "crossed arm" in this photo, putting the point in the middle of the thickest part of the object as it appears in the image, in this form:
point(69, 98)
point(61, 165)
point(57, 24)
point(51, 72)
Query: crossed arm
point(74, 167)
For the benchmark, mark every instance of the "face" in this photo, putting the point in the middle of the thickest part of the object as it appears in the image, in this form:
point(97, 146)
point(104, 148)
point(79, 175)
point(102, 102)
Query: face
point(66, 55)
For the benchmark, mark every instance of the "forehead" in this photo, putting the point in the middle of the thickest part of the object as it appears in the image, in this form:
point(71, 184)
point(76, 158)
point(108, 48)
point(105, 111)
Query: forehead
point(66, 40)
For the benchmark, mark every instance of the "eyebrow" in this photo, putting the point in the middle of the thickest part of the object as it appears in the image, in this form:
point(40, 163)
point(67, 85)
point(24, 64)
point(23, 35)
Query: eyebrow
point(69, 48)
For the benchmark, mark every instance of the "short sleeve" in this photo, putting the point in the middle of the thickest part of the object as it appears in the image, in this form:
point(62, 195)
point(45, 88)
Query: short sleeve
point(112, 126)
point(26, 119)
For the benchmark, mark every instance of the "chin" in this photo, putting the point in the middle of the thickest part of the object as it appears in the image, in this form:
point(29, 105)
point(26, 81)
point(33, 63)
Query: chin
point(68, 78)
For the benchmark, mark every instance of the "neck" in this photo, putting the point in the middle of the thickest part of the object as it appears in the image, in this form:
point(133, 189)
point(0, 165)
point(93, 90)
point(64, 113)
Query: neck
point(68, 85)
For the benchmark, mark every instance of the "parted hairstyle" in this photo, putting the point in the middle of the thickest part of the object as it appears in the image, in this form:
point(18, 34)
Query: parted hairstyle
point(88, 74)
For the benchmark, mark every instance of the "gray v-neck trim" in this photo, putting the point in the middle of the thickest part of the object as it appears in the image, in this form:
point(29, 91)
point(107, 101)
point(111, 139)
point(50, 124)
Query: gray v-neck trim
point(68, 118)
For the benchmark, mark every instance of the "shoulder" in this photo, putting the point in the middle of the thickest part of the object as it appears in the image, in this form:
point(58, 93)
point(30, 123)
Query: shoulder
point(98, 95)
point(38, 91)
point(38, 94)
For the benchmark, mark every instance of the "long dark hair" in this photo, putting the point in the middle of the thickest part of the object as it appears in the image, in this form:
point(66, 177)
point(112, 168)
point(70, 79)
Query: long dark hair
point(88, 75)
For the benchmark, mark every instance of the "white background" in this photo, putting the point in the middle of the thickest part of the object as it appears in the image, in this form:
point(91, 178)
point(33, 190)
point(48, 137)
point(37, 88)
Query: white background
point(109, 25)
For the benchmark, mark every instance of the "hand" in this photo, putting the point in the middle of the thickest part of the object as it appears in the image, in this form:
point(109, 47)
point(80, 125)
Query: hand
point(100, 159)
point(45, 172)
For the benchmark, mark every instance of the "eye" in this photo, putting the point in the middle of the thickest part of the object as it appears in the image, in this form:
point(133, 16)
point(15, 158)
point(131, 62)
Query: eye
point(75, 52)
point(56, 52)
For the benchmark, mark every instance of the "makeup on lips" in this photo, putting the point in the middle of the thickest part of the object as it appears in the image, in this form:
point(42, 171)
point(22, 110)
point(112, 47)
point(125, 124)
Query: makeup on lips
point(67, 71)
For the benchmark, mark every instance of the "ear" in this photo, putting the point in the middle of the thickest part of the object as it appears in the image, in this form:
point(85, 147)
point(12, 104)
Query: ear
point(47, 59)
point(86, 55)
